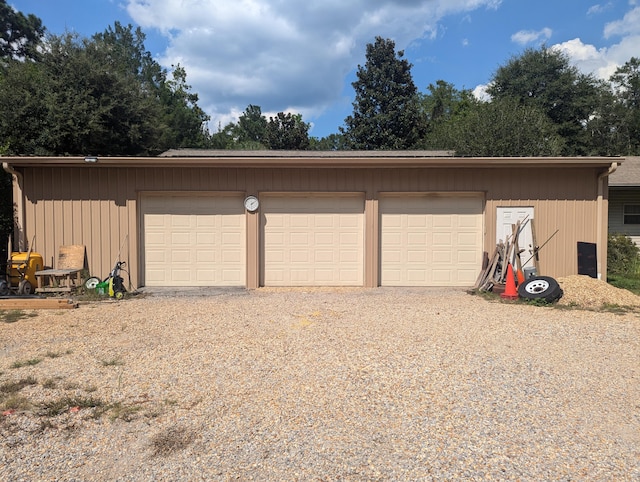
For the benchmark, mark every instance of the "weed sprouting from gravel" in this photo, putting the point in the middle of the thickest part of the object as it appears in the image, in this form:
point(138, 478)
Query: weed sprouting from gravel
point(52, 408)
point(13, 387)
point(50, 383)
point(118, 411)
point(617, 309)
point(171, 440)
point(16, 401)
point(26, 363)
point(114, 362)
point(13, 316)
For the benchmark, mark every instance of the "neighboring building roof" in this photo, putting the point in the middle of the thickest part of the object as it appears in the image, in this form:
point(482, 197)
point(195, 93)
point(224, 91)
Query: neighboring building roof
point(627, 174)
point(313, 154)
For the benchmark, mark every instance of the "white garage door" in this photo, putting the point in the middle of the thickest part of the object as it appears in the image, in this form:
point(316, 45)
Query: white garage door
point(430, 240)
point(313, 240)
point(194, 240)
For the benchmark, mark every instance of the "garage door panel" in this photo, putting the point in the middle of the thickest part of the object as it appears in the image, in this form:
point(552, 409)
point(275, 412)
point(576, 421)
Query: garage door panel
point(442, 239)
point(298, 256)
point(181, 239)
point(325, 237)
point(430, 240)
point(193, 240)
point(349, 256)
point(204, 256)
point(416, 256)
point(323, 256)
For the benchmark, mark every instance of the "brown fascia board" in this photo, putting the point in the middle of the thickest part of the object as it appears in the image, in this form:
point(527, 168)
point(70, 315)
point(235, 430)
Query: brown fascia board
point(316, 159)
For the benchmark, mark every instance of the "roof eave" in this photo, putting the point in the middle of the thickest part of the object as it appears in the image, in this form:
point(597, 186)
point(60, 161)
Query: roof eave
point(306, 161)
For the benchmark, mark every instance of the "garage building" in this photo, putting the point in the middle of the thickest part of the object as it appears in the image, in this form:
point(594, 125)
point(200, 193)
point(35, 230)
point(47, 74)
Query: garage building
point(307, 218)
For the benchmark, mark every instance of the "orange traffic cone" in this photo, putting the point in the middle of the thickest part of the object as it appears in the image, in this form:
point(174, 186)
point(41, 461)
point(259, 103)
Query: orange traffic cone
point(510, 288)
point(519, 277)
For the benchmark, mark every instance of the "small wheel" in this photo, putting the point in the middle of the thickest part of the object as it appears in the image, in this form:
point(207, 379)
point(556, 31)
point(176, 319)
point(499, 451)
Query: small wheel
point(25, 288)
point(118, 295)
point(4, 288)
point(540, 288)
point(92, 283)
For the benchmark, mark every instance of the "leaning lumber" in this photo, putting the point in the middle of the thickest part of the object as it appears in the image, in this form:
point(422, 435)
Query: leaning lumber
point(19, 303)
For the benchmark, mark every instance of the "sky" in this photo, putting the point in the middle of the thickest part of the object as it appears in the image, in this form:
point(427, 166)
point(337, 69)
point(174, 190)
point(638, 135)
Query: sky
point(302, 56)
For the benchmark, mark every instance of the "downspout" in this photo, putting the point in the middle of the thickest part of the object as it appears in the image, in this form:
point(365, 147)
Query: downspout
point(602, 230)
point(19, 201)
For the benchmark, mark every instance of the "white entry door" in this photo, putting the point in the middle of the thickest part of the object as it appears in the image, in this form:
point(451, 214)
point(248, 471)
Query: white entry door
point(509, 215)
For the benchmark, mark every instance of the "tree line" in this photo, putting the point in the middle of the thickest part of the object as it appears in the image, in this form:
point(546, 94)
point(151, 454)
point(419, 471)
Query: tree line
point(105, 95)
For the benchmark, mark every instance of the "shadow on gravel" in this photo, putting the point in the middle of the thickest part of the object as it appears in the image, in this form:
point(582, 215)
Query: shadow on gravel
point(191, 291)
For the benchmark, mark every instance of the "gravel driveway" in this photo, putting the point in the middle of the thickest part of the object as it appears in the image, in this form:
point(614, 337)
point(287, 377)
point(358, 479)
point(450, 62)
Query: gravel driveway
point(324, 384)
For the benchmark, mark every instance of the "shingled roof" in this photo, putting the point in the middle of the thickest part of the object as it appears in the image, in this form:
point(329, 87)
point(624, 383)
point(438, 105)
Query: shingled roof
point(627, 174)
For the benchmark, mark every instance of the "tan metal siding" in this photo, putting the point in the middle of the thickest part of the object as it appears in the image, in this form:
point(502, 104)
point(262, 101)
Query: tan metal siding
point(107, 200)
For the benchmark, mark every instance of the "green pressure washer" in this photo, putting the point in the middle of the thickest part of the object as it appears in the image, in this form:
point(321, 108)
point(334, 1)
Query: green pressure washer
point(112, 285)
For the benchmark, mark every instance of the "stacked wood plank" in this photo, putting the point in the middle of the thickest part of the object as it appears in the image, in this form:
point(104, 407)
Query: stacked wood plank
point(506, 252)
point(26, 303)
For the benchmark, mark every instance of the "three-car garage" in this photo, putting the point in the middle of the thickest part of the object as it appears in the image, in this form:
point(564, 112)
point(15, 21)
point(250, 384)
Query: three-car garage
point(311, 239)
point(313, 218)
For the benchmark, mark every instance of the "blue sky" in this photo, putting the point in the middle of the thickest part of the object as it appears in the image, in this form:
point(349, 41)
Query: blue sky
point(301, 56)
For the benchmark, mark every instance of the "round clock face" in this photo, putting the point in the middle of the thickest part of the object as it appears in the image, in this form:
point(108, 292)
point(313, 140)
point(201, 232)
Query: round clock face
point(251, 203)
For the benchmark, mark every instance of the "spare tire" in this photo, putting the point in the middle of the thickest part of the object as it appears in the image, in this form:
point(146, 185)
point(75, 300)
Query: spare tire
point(540, 288)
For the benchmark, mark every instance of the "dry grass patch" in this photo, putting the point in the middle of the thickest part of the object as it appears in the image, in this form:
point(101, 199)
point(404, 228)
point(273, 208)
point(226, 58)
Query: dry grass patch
point(13, 387)
point(12, 316)
point(52, 408)
point(171, 440)
point(26, 363)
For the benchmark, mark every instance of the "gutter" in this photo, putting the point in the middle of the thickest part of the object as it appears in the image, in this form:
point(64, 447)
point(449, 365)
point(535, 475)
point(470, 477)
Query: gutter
point(19, 201)
point(602, 216)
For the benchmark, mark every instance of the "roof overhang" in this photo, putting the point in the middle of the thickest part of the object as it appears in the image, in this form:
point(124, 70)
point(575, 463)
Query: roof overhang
point(313, 159)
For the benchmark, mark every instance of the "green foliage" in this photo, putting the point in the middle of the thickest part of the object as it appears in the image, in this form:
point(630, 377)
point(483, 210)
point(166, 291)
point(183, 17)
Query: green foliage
point(623, 256)
point(287, 132)
point(499, 128)
point(618, 124)
point(386, 111)
point(254, 132)
point(104, 95)
point(443, 102)
point(251, 126)
point(332, 142)
point(20, 35)
point(629, 282)
point(544, 79)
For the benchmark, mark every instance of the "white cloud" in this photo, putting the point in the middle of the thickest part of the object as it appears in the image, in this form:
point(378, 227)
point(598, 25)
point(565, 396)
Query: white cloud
point(629, 25)
point(524, 37)
point(480, 92)
point(600, 62)
point(597, 9)
point(282, 54)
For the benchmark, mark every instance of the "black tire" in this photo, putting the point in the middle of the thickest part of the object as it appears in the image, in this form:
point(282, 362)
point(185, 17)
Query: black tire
point(25, 288)
point(540, 288)
point(4, 288)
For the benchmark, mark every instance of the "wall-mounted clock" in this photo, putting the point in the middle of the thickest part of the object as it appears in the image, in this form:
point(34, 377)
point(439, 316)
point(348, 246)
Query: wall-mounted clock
point(251, 204)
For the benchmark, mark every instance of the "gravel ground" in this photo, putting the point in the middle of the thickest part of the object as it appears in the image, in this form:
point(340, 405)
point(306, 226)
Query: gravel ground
point(324, 384)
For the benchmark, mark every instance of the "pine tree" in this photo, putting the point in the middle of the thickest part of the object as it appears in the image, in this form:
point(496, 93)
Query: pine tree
point(386, 113)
